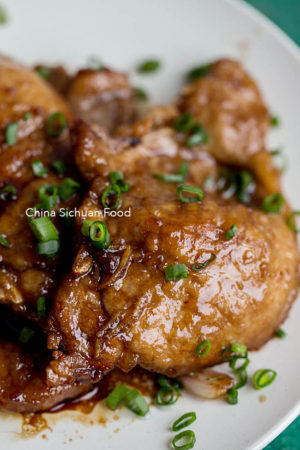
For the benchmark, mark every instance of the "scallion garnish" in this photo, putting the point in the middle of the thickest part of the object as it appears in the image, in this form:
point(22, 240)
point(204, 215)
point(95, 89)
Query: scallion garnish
point(140, 94)
point(291, 221)
point(231, 232)
point(166, 396)
point(199, 72)
point(273, 203)
point(9, 192)
point(43, 72)
point(245, 185)
point(95, 63)
point(165, 382)
point(178, 177)
point(184, 123)
point(118, 179)
point(196, 191)
point(236, 347)
point(43, 229)
point(4, 241)
point(11, 132)
point(204, 348)
point(263, 378)
point(200, 266)
point(48, 196)
point(184, 421)
point(176, 272)
point(117, 397)
point(41, 306)
point(56, 124)
point(274, 121)
point(198, 136)
point(280, 333)
point(59, 167)
point(67, 188)
point(25, 335)
point(38, 168)
point(243, 364)
point(49, 248)
point(85, 229)
point(27, 116)
point(136, 403)
point(112, 190)
point(99, 235)
point(232, 396)
point(242, 376)
point(187, 439)
point(3, 15)
point(151, 65)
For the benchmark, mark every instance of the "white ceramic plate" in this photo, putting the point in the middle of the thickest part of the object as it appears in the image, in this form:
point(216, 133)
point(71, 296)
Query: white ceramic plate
point(181, 33)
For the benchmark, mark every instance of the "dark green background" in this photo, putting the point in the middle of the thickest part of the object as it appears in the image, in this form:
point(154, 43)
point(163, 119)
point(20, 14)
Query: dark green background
point(286, 14)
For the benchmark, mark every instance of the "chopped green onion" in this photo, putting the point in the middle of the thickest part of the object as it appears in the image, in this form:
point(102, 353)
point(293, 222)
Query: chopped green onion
point(140, 94)
point(198, 197)
point(176, 272)
point(199, 72)
point(166, 396)
point(236, 347)
point(201, 266)
point(85, 229)
point(273, 203)
point(59, 167)
point(43, 72)
point(38, 168)
point(99, 235)
point(184, 123)
point(95, 63)
point(232, 396)
point(117, 397)
point(263, 378)
point(184, 421)
point(187, 438)
point(41, 307)
point(177, 177)
point(204, 348)
point(197, 137)
point(4, 241)
point(3, 15)
point(11, 132)
point(152, 65)
point(274, 121)
point(9, 192)
point(245, 184)
point(228, 354)
point(118, 179)
point(235, 359)
point(25, 335)
point(280, 333)
point(290, 221)
point(49, 248)
point(165, 382)
point(67, 188)
point(231, 232)
point(43, 229)
point(111, 191)
point(184, 169)
point(56, 124)
point(136, 403)
point(241, 373)
point(48, 196)
point(27, 116)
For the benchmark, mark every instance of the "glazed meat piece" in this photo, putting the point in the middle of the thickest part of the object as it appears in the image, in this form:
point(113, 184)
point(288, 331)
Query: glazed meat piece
point(116, 308)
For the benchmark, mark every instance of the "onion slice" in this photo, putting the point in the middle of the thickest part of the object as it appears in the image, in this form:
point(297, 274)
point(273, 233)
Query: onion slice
point(208, 383)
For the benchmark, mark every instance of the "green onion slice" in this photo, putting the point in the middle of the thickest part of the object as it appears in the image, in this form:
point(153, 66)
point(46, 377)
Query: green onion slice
point(59, 167)
point(165, 382)
point(48, 196)
point(4, 241)
point(231, 232)
point(176, 272)
point(49, 248)
point(56, 124)
point(197, 137)
point(140, 94)
point(196, 191)
point(184, 421)
point(43, 72)
point(291, 221)
point(117, 397)
point(232, 396)
point(244, 362)
point(242, 377)
point(11, 132)
point(236, 347)
point(151, 65)
point(67, 188)
point(136, 403)
point(99, 234)
point(38, 168)
point(3, 15)
point(274, 121)
point(85, 229)
point(178, 177)
point(118, 179)
point(187, 439)
point(199, 72)
point(41, 306)
point(263, 378)
point(27, 116)
point(43, 229)
point(200, 266)
point(112, 190)
point(25, 335)
point(9, 192)
point(184, 123)
point(204, 348)
point(280, 333)
point(166, 396)
point(273, 203)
